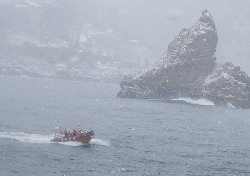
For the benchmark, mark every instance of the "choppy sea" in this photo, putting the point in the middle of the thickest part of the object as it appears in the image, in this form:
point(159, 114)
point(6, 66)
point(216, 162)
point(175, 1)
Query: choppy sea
point(133, 137)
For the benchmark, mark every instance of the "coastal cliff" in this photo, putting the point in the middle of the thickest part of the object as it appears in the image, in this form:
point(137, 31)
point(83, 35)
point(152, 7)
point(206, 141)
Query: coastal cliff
point(189, 69)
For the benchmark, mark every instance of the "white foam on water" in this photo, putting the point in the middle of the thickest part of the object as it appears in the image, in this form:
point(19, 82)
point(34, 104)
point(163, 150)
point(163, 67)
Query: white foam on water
point(45, 139)
point(100, 142)
point(202, 102)
point(26, 137)
point(71, 143)
point(229, 105)
point(92, 142)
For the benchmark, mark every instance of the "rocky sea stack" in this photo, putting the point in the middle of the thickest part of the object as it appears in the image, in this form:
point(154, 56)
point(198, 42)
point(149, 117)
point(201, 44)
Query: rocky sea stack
point(189, 69)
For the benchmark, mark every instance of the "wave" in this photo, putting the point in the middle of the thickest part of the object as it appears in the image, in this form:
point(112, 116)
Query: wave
point(45, 139)
point(202, 101)
point(229, 105)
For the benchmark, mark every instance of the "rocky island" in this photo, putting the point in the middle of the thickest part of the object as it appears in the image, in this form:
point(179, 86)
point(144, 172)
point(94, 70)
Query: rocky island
point(189, 69)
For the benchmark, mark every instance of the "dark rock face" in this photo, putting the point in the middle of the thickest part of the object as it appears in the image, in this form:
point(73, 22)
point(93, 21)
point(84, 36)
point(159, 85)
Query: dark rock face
point(188, 69)
point(227, 84)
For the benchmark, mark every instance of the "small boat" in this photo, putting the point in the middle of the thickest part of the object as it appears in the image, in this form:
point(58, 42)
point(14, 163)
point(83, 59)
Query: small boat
point(78, 136)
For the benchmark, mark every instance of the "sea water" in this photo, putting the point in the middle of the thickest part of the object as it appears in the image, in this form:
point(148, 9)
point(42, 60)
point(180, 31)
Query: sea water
point(133, 137)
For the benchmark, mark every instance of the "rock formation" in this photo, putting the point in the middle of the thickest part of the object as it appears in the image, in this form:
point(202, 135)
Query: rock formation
point(189, 69)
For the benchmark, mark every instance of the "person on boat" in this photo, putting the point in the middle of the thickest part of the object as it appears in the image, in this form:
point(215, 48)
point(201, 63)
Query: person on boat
point(74, 135)
point(57, 132)
point(66, 135)
point(70, 136)
point(79, 130)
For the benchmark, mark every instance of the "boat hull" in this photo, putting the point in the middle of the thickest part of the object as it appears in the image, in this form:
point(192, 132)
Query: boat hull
point(82, 137)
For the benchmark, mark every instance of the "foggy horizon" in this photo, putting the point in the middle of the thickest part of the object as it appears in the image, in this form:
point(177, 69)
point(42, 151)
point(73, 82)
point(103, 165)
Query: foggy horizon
point(155, 23)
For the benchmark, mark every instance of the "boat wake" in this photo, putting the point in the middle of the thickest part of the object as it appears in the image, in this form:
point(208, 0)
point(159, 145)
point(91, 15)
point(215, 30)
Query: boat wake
point(26, 137)
point(45, 139)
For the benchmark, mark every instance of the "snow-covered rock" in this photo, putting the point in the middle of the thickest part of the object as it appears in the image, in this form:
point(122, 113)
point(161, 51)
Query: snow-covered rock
point(227, 84)
point(188, 69)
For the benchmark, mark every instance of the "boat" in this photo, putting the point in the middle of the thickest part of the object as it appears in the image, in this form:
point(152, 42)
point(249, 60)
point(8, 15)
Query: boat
point(75, 135)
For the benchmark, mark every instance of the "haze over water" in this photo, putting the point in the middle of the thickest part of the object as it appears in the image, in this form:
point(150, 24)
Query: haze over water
point(133, 137)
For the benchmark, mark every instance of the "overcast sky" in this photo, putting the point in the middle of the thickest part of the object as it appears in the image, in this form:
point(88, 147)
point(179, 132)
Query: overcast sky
point(157, 22)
